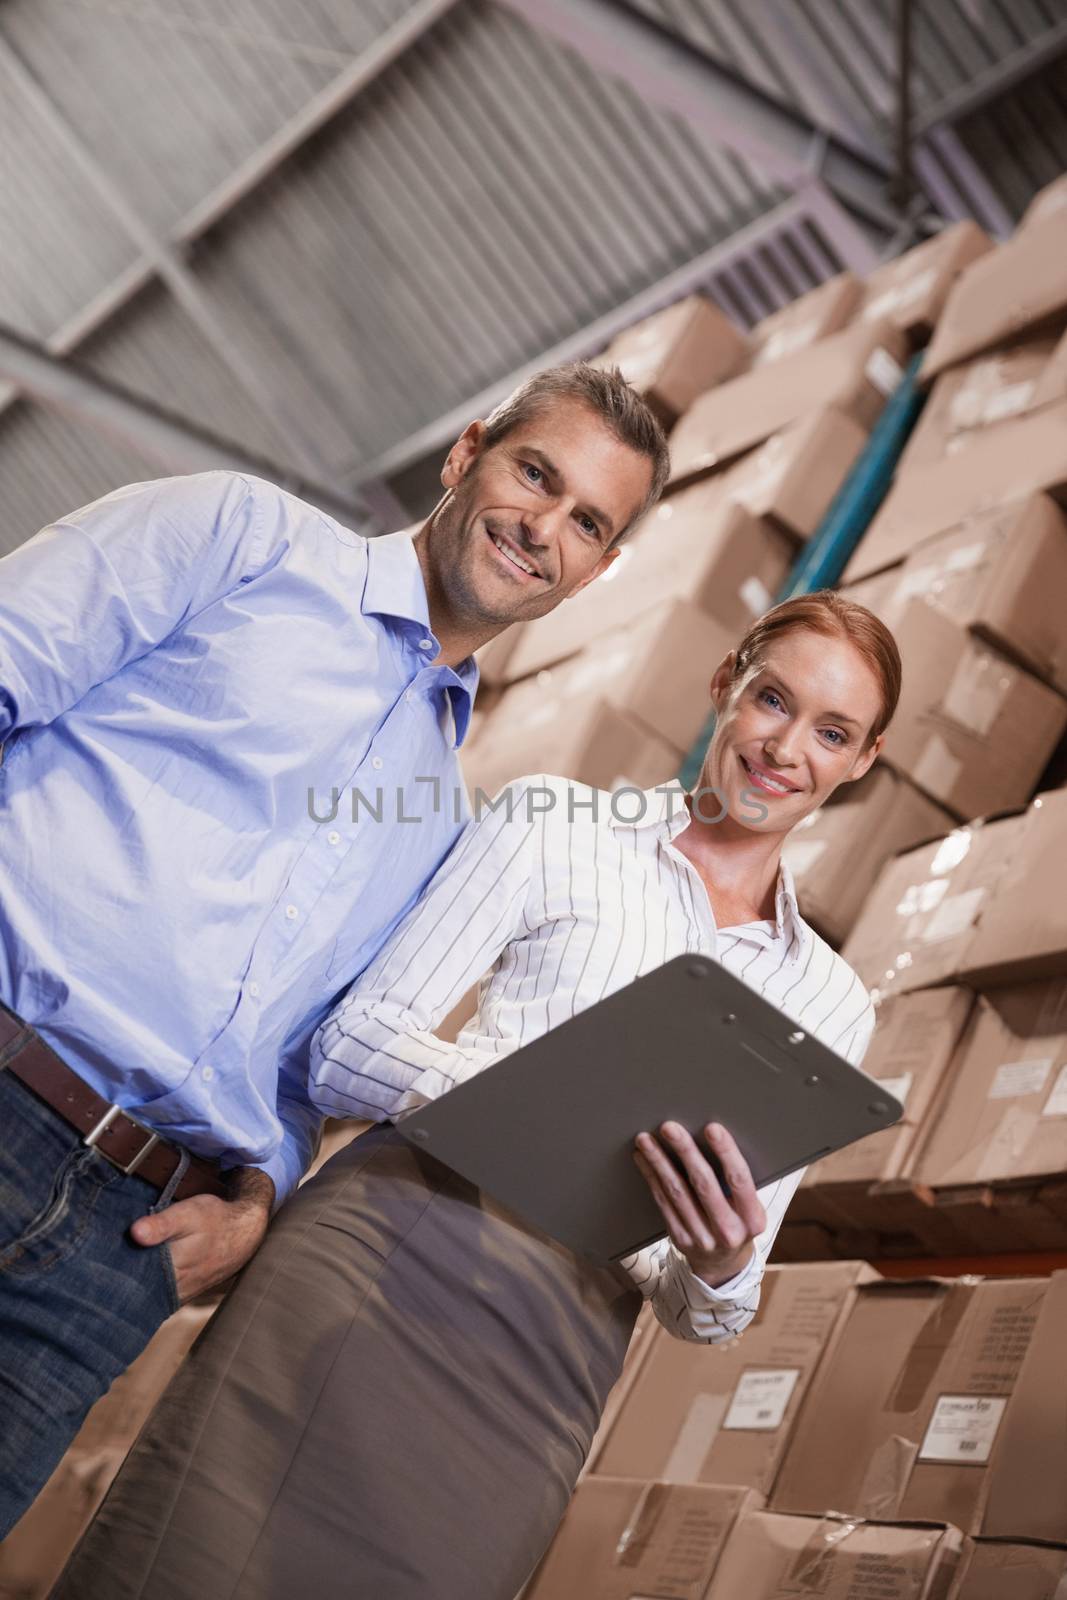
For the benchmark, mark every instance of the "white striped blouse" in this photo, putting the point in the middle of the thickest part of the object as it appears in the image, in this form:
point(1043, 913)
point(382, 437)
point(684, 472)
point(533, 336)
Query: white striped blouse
point(554, 903)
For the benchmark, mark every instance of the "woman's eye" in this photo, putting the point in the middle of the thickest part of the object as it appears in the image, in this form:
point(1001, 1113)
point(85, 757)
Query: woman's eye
point(835, 735)
point(770, 697)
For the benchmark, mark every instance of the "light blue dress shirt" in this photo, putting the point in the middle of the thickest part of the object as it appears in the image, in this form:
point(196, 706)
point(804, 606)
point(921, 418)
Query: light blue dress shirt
point(189, 670)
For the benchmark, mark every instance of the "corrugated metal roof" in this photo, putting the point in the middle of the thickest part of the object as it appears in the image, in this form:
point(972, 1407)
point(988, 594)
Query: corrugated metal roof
point(171, 97)
point(154, 350)
point(836, 59)
point(1020, 141)
point(487, 197)
point(49, 464)
point(56, 254)
point(442, 232)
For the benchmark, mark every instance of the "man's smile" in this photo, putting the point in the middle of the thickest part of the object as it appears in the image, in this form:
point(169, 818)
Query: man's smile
point(513, 556)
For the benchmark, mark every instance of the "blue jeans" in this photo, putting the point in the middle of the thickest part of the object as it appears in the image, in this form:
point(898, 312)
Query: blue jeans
point(78, 1299)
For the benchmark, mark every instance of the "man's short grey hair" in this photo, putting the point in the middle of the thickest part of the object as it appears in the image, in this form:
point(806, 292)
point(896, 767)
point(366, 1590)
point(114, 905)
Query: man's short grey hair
point(606, 392)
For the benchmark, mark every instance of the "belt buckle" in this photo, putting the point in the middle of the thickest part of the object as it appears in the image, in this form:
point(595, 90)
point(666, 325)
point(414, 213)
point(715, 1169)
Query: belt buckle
point(101, 1128)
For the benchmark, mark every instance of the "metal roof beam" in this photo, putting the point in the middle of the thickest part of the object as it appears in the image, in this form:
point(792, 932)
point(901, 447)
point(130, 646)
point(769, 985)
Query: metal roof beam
point(326, 105)
point(161, 256)
point(1004, 75)
point(344, 89)
point(807, 204)
point(168, 440)
point(668, 72)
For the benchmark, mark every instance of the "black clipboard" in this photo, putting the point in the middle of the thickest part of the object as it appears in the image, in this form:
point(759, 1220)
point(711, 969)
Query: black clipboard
point(548, 1131)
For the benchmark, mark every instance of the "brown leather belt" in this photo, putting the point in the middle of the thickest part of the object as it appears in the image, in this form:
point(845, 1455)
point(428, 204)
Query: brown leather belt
point(127, 1144)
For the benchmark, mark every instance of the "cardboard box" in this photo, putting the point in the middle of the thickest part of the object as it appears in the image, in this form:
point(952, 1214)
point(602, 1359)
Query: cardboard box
point(914, 1046)
point(1023, 934)
point(911, 291)
point(913, 1396)
point(1017, 288)
point(1026, 1494)
point(620, 1540)
point(806, 320)
point(1003, 383)
point(769, 1557)
point(918, 922)
point(997, 465)
point(1005, 1116)
point(658, 671)
point(594, 743)
point(856, 371)
point(676, 354)
point(1047, 202)
point(793, 477)
point(696, 1415)
point(695, 545)
point(1011, 1571)
point(876, 593)
point(972, 730)
point(1003, 576)
point(836, 853)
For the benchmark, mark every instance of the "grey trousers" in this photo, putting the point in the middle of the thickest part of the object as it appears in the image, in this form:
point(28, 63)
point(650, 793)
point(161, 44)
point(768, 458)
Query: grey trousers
point(393, 1403)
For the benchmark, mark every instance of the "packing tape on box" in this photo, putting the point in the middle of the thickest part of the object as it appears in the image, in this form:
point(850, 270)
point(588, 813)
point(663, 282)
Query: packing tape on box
point(886, 1479)
point(921, 1364)
point(909, 287)
point(936, 769)
point(637, 1534)
point(810, 1570)
point(978, 691)
point(695, 1438)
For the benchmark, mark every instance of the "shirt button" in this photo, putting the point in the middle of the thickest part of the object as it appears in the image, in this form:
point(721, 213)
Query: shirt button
point(376, 763)
point(425, 644)
point(207, 1073)
point(253, 989)
point(333, 837)
point(292, 913)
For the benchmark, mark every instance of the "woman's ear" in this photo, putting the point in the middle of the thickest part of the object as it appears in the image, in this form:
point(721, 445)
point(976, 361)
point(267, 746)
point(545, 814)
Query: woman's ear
point(867, 759)
point(720, 680)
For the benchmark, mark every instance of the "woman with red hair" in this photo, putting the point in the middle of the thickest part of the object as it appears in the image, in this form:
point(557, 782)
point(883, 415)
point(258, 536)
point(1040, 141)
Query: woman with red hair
point(397, 1398)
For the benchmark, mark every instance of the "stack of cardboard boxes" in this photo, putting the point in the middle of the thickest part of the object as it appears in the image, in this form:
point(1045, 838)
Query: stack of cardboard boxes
point(864, 1438)
point(966, 933)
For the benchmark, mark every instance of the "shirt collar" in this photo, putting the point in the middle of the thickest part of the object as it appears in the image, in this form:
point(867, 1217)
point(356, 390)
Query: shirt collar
point(462, 686)
point(666, 810)
point(394, 588)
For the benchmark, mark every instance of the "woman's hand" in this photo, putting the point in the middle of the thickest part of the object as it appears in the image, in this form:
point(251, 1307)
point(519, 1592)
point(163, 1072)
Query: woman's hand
point(713, 1230)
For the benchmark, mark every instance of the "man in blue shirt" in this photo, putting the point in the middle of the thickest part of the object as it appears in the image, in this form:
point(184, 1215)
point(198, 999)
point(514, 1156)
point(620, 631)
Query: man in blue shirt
point(220, 712)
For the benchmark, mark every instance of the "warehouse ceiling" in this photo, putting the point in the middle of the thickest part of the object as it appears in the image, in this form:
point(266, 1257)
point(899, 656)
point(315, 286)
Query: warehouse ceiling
point(309, 238)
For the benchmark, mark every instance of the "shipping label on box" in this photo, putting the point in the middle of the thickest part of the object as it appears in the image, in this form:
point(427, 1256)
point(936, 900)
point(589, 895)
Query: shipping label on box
point(1056, 1104)
point(761, 1398)
point(1016, 1078)
point(963, 1428)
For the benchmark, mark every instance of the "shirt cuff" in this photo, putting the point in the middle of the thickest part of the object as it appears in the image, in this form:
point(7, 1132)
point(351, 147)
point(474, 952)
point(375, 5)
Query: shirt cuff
point(284, 1172)
point(739, 1287)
